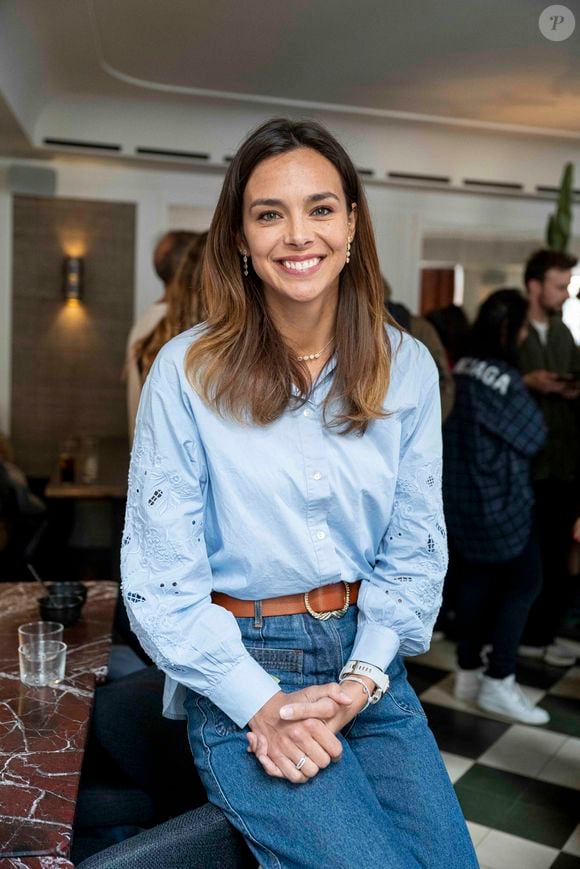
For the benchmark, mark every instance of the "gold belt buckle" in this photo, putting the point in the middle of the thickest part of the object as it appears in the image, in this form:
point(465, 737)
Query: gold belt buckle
point(330, 614)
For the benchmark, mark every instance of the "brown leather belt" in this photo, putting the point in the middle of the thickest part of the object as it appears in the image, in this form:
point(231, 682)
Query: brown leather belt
point(325, 602)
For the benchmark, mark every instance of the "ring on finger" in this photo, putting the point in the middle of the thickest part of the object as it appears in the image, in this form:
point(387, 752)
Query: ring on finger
point(301, 762)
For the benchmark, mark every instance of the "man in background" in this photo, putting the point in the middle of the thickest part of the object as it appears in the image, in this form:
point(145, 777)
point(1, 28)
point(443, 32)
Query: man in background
point(550, 364)
point(167, 255)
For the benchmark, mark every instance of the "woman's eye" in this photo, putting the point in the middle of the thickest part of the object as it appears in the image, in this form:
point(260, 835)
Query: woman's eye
point(268, 216)
point(322, 211)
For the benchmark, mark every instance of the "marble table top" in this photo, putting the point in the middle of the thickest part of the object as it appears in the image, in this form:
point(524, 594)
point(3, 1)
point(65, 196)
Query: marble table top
point(43, 730)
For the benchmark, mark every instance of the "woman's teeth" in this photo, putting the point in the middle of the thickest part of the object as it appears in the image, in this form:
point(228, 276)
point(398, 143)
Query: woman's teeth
point(301, 266)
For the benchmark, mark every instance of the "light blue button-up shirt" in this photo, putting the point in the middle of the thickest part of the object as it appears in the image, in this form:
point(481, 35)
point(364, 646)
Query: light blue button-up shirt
point(258, 512)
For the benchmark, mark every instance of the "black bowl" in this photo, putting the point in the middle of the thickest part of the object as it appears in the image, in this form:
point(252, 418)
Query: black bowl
point(63, 608)
point(67, 588)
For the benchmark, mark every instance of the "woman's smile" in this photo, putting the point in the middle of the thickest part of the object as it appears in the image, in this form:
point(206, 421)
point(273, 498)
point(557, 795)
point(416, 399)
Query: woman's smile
point(300, 267)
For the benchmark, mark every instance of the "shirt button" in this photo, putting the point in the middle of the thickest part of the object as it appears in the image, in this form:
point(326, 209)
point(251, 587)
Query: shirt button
point(307, 412)
point(317, 475)
point(321, 535)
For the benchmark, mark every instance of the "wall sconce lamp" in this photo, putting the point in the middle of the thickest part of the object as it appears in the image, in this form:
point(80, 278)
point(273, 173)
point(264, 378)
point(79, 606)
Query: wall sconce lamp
point(72, 284)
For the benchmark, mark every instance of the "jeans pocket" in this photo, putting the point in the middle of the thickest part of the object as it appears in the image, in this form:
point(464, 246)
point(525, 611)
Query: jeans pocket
point(286, 666)
point(409, 705)
point(400, 692)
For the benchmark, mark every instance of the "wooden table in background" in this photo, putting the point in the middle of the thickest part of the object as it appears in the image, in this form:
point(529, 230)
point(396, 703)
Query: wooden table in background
point(112, 477)
point(111, 485)
point(43, 731)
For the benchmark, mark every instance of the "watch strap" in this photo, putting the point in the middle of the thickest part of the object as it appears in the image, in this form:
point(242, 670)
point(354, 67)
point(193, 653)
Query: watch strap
point(363, 668)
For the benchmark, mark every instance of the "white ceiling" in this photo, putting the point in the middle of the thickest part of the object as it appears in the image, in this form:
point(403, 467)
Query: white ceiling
point(66, 65)
point(479, 60)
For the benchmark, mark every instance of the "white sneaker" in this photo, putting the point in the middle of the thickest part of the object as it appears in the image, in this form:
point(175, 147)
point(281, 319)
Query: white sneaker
point(559, 655)
point(505, 697)
point(532, 651)
point(467, 684)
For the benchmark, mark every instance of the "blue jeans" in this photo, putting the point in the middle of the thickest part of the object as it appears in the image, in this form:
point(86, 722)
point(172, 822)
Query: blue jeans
point(388, 802)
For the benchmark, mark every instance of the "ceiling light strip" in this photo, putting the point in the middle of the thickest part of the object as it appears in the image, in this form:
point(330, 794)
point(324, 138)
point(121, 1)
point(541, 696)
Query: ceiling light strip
point(162, 152)
point(77, 143)
point(505, 185)
point(411, 176)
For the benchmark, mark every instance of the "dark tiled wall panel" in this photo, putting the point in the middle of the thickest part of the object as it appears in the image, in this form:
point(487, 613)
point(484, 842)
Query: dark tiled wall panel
point(67, 362)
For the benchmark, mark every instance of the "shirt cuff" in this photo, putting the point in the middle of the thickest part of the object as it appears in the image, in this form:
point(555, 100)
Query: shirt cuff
point(375, 644)
point(243, 691)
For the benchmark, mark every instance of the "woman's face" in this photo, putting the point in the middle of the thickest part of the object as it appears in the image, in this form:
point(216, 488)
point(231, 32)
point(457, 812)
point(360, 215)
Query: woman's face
point(296, 225)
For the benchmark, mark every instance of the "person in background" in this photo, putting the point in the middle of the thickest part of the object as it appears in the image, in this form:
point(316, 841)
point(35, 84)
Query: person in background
point(549, 360)
point(452, 326)
point(184, 307)
point(181, 309)
point(284, 526)
point(22, 513)
point(423, 331)
point(494, 430)
point(166, 258)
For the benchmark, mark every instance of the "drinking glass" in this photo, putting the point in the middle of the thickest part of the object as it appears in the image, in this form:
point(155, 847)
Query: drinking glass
point(89, 460)
point(39, 632)
point(42, 663)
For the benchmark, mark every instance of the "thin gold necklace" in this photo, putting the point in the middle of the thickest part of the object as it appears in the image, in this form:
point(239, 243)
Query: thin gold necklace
point(311, 356)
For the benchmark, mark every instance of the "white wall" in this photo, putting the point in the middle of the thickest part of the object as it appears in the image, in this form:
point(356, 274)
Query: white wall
point(382, 144)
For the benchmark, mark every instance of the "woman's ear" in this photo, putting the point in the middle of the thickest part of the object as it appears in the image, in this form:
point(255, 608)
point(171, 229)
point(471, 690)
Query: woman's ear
point(241, 245)
point(352, 218)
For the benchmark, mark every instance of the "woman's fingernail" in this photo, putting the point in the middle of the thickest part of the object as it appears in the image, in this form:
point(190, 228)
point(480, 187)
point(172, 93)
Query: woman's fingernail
point(287, 712)
point(344, 696)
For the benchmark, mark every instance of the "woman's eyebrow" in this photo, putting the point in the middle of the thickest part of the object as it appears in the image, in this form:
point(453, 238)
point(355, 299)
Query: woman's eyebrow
point(314, 197)
point(318, 197)
point(271, 202)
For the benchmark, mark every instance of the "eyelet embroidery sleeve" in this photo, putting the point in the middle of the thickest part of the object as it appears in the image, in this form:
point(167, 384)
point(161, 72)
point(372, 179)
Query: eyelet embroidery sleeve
point(166, 574)
point(398, 607)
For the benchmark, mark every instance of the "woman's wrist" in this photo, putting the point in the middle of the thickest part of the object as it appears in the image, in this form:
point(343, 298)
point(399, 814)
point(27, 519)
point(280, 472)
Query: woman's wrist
point(269, 709)
point(360, 688)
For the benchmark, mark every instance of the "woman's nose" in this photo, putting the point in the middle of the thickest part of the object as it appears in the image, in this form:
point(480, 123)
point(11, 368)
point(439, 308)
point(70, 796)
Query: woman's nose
point(298, 233)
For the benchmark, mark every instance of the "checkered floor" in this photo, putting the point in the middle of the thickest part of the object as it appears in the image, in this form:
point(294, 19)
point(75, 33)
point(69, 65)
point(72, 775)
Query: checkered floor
point(519, 786)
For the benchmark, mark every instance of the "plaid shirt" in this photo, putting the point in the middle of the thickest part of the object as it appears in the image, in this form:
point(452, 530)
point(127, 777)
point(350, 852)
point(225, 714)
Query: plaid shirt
point(493, 431)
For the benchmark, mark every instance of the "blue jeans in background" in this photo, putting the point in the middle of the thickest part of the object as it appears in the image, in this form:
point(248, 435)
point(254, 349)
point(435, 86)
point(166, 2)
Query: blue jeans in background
point(388, 802)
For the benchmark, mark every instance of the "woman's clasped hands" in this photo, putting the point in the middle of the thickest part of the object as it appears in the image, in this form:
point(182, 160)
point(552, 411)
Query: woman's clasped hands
point(294, 735)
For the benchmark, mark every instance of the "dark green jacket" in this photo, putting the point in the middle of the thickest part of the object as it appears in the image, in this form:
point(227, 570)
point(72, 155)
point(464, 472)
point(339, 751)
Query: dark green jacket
point(560, 458)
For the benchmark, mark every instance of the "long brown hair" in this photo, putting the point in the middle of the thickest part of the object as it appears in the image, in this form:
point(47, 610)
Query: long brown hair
point(185, 306)
point(240, 364)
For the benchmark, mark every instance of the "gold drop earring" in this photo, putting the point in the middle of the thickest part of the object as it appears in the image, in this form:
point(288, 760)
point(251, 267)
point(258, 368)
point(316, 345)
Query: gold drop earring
point(348, 251)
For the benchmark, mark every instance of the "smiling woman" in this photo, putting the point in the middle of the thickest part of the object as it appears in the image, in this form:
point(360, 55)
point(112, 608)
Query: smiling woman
point(292, 214)
point(285, 528)
point(299, 249)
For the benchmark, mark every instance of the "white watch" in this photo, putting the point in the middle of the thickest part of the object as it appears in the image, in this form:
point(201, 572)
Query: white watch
point(361, 668)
